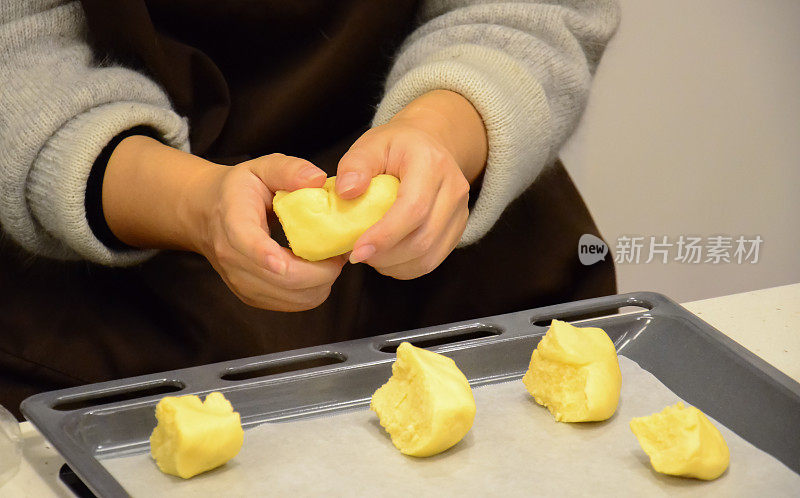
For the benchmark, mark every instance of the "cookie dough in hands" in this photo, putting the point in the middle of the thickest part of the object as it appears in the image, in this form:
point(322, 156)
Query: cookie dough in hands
point(319, 224)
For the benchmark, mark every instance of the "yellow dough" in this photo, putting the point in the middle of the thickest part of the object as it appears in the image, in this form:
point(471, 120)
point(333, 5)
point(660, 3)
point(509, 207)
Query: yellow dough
point(193, 436)
point(319, 224)
point(427, 404)
point(574, 372)
point(681, 441)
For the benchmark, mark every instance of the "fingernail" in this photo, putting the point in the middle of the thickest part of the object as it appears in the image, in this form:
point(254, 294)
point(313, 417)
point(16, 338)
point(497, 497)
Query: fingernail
point(276, 265)
point(347, 182)
point(362, 253)
point(310, 173)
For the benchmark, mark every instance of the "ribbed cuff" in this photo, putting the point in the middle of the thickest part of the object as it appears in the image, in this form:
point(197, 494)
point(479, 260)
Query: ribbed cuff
point(514, 110)
point(95, 214)
point(56, 187)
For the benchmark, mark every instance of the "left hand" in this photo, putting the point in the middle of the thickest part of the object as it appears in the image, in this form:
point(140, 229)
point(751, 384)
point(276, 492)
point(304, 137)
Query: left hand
point(435, 146)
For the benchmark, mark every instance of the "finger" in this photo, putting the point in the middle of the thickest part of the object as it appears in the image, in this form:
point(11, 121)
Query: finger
point(365, 159)
point(424, 239)
point(295, 273)
point(246, 229)
point(430, 261)
point(416, 195)
point(246, 217)
point(253, 243)
point(256, 292)
point(280, 172)
point(277, 304)
point(301, 274)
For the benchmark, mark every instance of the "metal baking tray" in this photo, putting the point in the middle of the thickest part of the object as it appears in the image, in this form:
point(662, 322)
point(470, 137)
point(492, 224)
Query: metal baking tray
point(694, 360)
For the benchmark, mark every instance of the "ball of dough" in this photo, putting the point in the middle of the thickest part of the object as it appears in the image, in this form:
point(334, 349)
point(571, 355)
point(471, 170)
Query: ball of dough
point(319, 224)
point(193, 436)
point(427, 405)
point(681, 441)
point(574, 372)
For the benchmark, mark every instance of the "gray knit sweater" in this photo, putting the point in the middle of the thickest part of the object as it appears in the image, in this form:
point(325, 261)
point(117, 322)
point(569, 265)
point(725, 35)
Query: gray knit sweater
point(525, 66)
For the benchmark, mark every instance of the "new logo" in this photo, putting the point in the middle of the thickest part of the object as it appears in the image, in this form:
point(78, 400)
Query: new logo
point(591, 249)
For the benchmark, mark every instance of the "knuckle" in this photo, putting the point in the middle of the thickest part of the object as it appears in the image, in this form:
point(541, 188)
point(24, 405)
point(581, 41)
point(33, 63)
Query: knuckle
point(296, 309)
point(438, 155)
point(464, 217)
point(293, 307)
point(229, 187)
point(224, 257)
point(251, 302)
point(292, 280)
point(367, 136)
point(462, 187)
point(221, 251)
point(230, 224)
point(319, 296)
point(411, 135)
point(356, 160)
point(427, 265)
point(243, 295)
point(417, 208)
point(404, 274)
point(390, 272)
point(287, 306)
point(423, 243)
point(382, 240)
point(283, 302)
point(352, 157)
point(299, 163)
point(233, 181)
point(308, 299)
point(294, 284)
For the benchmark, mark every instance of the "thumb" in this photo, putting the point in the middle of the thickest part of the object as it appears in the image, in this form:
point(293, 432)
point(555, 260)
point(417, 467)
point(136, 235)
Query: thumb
point(280, 172)
point(364, 160)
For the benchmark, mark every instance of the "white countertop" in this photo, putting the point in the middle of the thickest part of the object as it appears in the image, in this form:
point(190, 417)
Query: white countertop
point(767, 322)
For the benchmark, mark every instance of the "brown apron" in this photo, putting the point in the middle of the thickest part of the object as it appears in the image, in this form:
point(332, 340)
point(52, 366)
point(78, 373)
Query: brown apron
point(294, 77)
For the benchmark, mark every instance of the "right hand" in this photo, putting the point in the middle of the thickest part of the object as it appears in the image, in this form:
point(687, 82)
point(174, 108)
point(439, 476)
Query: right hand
point(233, 234)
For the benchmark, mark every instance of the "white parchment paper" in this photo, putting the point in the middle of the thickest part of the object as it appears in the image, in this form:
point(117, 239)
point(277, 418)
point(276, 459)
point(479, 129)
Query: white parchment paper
point(515, 448)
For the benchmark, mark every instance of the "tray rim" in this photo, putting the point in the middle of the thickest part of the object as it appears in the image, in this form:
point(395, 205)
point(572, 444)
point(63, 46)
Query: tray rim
point(38, 408)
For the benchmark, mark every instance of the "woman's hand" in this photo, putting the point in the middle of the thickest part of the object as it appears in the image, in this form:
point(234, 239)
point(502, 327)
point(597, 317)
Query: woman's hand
point(436, 146)
point(155, 196)
point(236, 237)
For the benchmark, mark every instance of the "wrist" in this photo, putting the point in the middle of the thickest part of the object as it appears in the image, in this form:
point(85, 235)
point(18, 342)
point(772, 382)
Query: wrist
point(155, 196)
point(452, 120)
point(195, 205)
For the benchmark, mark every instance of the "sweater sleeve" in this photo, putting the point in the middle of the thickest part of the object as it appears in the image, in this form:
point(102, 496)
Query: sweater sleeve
point(525, 66)
point(58, 110)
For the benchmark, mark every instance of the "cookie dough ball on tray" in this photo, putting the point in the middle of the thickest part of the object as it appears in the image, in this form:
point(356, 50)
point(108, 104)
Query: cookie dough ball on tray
point(574, 372)
point(681, 441)
point(194, 436)
point(427, 405)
